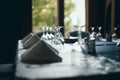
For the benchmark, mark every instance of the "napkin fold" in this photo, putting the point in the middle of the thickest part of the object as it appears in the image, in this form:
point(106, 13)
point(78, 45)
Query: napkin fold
point(30, 42)
point(41, 53)
point(27, 37)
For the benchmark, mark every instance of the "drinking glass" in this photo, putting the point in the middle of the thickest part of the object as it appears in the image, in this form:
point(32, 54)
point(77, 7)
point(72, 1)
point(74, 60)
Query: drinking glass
point(51, 33)
point(58, 37)
point(114, 35)
point(93, 33)
point(79, 28)
point(47, 32)
point(99, 35)
point(43, 37)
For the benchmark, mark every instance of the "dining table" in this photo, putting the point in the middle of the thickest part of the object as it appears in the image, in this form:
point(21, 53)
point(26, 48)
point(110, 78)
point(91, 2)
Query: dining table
point(75, 65)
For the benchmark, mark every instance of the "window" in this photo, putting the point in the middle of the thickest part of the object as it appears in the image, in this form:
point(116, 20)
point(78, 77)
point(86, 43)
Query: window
point(74, 14)
point(44, 13)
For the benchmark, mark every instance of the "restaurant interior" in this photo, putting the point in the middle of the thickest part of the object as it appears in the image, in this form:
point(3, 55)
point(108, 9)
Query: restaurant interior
point(92, 54)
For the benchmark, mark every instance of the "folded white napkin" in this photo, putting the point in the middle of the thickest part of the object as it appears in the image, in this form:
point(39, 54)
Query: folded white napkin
point(27, 37)
point(41, 53)
point(30, 42)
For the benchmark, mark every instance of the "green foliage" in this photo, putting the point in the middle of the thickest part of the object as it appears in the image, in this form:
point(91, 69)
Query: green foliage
point(44, 12)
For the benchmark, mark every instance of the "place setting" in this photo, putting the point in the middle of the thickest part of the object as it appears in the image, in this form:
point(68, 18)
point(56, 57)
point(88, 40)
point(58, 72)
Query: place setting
point(51, 51)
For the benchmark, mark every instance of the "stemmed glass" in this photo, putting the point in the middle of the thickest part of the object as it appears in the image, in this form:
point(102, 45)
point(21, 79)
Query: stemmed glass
point(79, 28)
point(61, 37)
point(93, 34)
point(51, 36)
point(78, 57)
point(47, 32)
point(99, 35)
point(43, 37)
point(58, 37)
point(114, 35)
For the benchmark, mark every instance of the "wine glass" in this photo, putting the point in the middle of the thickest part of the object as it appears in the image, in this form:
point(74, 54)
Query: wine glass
point(99, 35)
point(79, 28)
point(114, 35)
point(47, 32)
point(93, 33)
point(58, 37)
point(43, 37)
point(51, 33)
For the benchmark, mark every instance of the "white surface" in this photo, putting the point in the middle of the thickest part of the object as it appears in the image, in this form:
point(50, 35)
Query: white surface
point(74, 64)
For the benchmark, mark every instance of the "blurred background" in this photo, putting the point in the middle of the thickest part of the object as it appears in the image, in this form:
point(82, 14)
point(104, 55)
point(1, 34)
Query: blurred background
point(44, 13)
